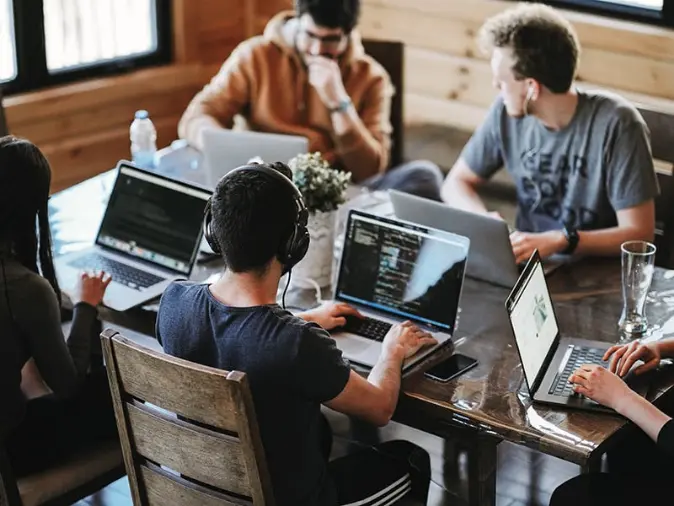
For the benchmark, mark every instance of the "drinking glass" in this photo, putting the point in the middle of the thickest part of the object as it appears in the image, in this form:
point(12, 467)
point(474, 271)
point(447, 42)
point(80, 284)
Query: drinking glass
point(638, 259)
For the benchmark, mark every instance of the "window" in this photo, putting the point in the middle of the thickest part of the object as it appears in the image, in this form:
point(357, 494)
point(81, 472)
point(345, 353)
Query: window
point(660, 12)
point(7, 53)
point(49, 42)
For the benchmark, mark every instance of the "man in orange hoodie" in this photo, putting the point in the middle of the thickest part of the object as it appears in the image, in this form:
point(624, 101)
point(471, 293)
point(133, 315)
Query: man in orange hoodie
point(309, 75)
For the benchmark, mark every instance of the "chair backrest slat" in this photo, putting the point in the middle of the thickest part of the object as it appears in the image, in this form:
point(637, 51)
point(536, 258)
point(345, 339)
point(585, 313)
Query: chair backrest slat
point(166, 490)
point(661, 127)
point(189, 432)
point(174, 387)
point(4, 129)
point(391, 56)
point(206, 456)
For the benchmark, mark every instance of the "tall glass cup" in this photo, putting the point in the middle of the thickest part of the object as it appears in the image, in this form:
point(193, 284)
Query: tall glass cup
point(638, 260)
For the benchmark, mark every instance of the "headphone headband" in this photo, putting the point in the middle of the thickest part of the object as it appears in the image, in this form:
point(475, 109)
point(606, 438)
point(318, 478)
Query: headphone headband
point(296, 247)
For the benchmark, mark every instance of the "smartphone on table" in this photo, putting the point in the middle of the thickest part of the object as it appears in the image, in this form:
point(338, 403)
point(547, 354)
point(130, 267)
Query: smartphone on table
point(452, 367)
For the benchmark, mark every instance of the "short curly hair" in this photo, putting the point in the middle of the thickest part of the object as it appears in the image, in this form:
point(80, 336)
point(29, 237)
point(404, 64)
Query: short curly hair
point(544, 44)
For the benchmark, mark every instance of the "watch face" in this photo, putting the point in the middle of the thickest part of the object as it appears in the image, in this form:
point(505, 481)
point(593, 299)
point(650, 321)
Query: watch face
point(572, 238)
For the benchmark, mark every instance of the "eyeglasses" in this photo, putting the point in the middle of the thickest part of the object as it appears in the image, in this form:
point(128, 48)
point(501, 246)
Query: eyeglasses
point(328, 41)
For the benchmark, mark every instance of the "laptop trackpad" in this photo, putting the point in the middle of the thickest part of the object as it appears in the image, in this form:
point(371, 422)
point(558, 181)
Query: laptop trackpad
point(357, 348)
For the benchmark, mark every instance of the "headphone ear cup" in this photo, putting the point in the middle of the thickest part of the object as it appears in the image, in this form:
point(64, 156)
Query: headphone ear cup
point(295, 249)
point(301, 245)
point(208, 233)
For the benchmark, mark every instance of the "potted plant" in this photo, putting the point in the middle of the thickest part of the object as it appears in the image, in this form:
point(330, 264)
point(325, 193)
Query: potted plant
point(323, 190)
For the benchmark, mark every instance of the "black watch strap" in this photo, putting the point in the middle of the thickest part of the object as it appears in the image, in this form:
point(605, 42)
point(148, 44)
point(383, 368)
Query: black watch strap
point(572, 239)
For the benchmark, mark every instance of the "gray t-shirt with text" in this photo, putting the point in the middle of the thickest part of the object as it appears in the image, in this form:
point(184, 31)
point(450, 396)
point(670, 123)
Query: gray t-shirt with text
point(578, 176)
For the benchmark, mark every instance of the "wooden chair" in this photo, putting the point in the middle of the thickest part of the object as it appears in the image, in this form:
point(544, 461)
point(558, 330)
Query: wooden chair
point(391, 56)
point(79, 476)
point(661, 126)
point(65, 484)
point(189, 433)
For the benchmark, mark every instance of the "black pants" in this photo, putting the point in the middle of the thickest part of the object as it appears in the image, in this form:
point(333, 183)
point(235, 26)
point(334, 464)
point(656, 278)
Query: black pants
point(53, 429)
point(381, 474)
point(639, 473)
point(611, 490)
point(419, 177)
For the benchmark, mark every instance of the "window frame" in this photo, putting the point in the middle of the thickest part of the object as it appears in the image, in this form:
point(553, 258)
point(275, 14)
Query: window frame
point(664, 18)
point(32, 72)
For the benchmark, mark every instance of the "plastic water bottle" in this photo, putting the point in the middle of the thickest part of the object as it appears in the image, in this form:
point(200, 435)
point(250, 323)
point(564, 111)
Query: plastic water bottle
point(143, 137)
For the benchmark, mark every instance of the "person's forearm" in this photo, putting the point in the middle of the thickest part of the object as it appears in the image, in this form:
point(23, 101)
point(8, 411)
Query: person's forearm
point(359, 151)
point(386, 375)
point(649, 418)
point(461, 195)
point(666, 348)
point(607, 242)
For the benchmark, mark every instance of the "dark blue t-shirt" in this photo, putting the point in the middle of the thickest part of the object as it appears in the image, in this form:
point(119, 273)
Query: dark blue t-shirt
point(292, 367)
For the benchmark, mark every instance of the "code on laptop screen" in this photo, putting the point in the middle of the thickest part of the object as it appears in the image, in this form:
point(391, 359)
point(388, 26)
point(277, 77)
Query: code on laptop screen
point(408, 271)
point(153, 219)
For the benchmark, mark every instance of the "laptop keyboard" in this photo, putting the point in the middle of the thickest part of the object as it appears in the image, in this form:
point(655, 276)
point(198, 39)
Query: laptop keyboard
point(579, 356)
point(367, 327)
point(120, 272)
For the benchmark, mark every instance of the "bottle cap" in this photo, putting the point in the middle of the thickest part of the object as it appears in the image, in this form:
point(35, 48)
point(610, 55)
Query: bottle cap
point(142, 114)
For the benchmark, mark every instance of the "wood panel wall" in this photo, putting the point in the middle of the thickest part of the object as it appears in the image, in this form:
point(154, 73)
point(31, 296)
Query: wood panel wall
point(83, 128)
point(448, 80)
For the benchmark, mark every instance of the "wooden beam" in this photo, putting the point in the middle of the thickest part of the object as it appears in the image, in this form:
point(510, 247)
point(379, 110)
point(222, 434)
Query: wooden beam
point(420, 109)
point(104, 116)
point(250, 9)
point(456, 36)
point(468, 80)
point(63, 100)
point(443, 76)
point(601, 32)
point(76, 159)
point(185, 31)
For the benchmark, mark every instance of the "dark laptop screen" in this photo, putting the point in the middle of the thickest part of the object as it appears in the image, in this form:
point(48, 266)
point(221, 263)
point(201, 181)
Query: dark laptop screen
point(154, 219)
point(403, 269)
point(533, 321)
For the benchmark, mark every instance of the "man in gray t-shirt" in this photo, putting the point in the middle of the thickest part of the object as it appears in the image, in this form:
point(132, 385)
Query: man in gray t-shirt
point(581, 161)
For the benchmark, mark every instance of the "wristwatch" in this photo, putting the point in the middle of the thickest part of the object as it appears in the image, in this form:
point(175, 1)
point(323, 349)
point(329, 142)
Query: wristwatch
point(342, 106)
point(572, 238)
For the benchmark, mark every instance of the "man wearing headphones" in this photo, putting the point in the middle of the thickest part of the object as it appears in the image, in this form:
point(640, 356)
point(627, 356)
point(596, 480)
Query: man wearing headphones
point(257, 221)
point(581, 161)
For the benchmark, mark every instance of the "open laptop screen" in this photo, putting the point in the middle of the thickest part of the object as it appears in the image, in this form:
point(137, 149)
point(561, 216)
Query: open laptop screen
point(533, 320)
point(154, 219)
point(405, 270)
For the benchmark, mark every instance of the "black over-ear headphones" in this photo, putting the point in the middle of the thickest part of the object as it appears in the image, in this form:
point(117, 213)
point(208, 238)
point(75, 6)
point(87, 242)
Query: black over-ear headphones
point(291, 251)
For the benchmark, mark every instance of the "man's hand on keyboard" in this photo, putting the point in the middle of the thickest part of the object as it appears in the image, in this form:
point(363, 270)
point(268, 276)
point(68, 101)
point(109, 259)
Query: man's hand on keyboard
point(330, 315)
point(91, 288)
point(623, 357)
point(599, 384)
point(406, 339)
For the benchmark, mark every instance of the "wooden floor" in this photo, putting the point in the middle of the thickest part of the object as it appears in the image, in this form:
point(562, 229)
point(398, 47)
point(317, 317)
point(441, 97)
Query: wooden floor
point(525, 477)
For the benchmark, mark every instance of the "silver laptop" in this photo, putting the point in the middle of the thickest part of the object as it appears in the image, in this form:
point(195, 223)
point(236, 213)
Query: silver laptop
point(225, 150)
point(393, 271)
point(548, 360)
point(491, 254)
point(148, 237)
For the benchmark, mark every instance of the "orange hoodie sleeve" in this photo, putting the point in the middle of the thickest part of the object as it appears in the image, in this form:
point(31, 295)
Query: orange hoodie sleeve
point(365, 149)
point(216, 105)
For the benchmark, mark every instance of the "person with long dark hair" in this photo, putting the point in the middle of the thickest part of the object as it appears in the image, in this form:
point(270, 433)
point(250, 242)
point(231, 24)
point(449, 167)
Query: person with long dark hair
point(54, 395)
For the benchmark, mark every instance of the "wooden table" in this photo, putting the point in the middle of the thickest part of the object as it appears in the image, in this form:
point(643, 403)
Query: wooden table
point(488, 404)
